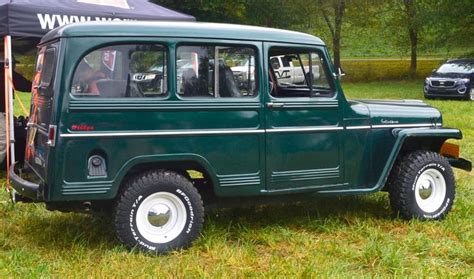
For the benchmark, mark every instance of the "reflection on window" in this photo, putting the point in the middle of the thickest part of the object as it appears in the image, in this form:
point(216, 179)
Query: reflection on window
point(122, 71)
point(296, 73)
point(198, 74)
point(44, 72)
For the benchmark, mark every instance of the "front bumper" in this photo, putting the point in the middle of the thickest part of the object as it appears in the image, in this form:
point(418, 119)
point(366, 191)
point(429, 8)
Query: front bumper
point(450, 92)
point(460, 163)
point(25, 188)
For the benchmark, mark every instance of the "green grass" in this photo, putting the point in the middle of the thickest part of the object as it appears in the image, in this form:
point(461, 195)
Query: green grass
point(337, 237)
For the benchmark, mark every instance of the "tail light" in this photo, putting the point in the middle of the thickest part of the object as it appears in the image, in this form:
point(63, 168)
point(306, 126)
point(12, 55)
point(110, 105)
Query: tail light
point(52, 135)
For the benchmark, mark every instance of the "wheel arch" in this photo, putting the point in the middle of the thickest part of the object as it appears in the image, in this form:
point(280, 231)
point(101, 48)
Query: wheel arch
point(177, 163)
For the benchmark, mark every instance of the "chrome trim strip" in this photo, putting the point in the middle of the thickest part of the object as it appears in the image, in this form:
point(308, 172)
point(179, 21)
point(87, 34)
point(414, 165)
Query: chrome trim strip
point(306, 129)
point(403, 125)
point(238, 131)
point(165, 133)
point(358, 127)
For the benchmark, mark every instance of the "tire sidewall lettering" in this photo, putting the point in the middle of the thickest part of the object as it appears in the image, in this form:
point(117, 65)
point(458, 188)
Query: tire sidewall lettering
point(190, 210)
point(139, 239)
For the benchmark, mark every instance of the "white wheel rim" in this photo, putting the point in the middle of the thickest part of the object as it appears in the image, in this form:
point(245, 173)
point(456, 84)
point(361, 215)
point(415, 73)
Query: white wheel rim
point(472, 94)
point(161, 217)
point(430, 190)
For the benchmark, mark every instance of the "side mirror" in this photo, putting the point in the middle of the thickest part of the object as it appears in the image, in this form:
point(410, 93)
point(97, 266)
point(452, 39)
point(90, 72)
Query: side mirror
point(340, 73)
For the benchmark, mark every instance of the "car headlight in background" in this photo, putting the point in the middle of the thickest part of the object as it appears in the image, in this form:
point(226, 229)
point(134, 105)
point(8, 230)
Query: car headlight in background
point(462, 81)
point(427, 81)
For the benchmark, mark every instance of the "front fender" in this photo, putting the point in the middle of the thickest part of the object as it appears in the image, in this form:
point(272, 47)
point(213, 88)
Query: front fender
point(438, 135)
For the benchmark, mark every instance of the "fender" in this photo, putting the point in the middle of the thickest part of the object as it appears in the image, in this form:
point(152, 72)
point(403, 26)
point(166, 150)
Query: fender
point(401, 135)
point(160, 158)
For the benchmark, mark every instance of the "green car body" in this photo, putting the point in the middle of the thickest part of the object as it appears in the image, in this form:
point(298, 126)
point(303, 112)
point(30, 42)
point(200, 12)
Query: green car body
point(259, 145)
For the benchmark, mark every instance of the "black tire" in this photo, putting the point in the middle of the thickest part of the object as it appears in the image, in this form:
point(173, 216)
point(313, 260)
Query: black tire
point(151, 190)
point(414, 173)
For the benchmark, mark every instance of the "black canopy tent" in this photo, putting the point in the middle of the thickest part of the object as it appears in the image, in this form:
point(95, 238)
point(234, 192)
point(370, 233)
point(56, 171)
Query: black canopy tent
point(24, 22)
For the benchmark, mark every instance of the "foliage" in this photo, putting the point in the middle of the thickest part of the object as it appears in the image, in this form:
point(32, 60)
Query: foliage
point(319, 237)
point(364, 70)
point(369, 27)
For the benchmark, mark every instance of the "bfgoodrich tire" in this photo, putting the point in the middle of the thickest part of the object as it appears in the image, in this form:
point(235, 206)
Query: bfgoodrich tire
point(422, 186)
point(159, 211)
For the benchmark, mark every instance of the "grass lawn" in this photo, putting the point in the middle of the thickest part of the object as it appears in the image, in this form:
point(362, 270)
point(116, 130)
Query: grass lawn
point(340, 236)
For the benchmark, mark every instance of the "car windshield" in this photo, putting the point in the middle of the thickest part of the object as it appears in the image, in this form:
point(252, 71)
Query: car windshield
point(457, 68)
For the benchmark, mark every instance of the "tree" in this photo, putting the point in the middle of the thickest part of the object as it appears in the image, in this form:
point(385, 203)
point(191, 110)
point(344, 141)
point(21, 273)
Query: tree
point(412, 27)
point(209, 11)
point(333, 12)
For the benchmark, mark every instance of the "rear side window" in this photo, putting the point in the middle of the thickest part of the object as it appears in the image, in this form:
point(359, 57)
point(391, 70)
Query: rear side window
point(122, 71)
point(216, 72)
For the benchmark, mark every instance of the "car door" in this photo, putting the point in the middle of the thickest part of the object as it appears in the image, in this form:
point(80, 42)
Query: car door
point(303, 124)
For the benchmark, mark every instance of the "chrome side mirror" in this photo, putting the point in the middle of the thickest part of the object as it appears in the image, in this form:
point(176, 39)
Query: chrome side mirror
point(340, 73)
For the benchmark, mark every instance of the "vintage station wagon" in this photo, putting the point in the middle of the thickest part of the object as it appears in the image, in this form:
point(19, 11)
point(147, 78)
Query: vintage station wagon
point(153, 121)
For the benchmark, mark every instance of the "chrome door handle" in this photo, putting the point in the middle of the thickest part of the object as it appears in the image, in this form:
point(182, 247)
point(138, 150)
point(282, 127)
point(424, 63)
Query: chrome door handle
point(275, 105)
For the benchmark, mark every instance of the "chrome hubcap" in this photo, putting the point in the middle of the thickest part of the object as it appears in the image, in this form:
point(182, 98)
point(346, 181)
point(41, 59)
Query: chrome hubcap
point(430, 190)
point(472, 94)
point(159, 215)
point(426, 190)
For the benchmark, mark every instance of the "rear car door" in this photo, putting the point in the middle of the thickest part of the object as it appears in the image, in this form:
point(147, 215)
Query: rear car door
point(41, 133)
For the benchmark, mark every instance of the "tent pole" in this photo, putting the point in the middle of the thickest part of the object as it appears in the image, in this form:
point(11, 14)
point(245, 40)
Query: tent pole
point(9, 99)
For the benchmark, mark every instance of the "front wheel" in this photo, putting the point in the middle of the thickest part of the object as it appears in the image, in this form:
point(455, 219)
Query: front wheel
point(471, 94)
point(422, 186)
point(159, 211)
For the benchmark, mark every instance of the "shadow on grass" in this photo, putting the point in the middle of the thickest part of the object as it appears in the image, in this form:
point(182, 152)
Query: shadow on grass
point(67, 231)
point(62, 232)
point(297, 213)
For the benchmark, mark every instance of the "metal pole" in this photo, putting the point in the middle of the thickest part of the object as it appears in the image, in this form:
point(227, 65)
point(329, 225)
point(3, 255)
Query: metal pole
point(9, 93)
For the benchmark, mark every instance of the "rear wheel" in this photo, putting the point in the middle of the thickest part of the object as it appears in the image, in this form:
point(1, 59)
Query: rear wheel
point(422, 186)
point(471, 94)
point(159, 211)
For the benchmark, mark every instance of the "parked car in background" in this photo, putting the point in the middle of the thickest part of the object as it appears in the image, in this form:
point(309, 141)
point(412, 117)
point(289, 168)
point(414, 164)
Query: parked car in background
point(244, 74)
point(288, 69)
point(453, 80)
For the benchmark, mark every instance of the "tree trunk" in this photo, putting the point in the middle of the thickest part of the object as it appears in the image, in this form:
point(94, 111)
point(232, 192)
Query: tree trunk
point(337, 52)
point(413, 45)
point(339, 8)
point(413, 34)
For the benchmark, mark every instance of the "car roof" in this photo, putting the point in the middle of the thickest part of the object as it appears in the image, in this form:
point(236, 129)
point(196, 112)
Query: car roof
point(180, 30)
point(460, 60)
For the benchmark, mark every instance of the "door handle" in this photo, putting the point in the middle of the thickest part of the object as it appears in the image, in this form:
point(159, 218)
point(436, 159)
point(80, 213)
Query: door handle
point(275, 105)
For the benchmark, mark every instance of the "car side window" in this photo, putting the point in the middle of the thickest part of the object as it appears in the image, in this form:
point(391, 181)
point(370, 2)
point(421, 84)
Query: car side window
point(122, 71)
point(299, 73)
point(216, 72)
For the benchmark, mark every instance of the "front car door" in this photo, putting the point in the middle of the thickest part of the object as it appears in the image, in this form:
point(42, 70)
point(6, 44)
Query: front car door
point(303, 123)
